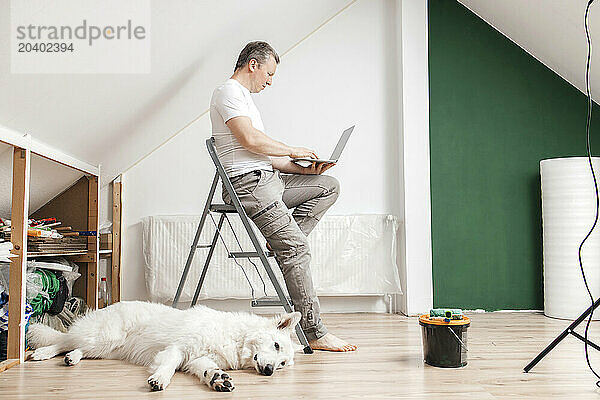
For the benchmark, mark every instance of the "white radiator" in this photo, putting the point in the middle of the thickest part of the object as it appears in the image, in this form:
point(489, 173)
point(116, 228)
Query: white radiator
point(351, 255)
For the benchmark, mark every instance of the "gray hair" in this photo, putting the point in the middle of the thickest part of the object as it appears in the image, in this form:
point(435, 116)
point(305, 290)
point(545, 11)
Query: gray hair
point(260, 51)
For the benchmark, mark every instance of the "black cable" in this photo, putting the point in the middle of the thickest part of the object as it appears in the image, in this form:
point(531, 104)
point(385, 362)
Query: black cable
point(589, 156)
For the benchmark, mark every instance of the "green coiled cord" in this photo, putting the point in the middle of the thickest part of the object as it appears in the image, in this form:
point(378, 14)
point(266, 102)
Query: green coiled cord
point(50, 285)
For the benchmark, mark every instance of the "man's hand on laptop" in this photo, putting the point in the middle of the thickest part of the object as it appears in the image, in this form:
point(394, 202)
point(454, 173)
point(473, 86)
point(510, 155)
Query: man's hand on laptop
point(317, 168)
point(302, 152)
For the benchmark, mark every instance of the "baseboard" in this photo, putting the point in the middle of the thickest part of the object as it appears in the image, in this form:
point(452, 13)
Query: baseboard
point(329, 304)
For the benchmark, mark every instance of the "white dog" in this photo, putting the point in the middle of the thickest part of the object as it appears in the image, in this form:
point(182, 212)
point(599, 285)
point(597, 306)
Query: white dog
point(199, 340)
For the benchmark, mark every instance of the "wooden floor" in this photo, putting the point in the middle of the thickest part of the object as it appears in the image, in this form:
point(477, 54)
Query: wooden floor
point(388, 364)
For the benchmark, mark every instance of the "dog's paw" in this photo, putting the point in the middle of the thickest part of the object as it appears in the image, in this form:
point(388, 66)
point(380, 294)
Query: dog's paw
point(73, 357)
point(220, 381)
point(43, 353)
point(158, 382)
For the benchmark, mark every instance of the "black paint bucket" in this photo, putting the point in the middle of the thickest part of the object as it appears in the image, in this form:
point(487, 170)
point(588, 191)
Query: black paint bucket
point(444, 343)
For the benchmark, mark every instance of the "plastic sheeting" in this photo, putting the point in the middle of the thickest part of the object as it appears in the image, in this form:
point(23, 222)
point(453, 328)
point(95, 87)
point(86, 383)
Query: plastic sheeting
point(33, 282)
point(33, 285)
point(568, 210)
point(351, 255)
point(33, 288)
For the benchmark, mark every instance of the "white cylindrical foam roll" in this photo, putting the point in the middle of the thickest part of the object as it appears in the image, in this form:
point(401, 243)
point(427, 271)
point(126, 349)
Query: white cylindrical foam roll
point(568, 212)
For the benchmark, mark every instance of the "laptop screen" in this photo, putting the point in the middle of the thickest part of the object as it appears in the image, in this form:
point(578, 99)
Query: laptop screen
point(341, 144)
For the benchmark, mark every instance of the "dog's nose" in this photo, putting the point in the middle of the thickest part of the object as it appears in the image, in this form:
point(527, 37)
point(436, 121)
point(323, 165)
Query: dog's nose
point(268, 370)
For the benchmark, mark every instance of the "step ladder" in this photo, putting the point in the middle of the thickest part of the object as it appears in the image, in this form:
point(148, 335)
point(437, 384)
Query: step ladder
point(223, 210)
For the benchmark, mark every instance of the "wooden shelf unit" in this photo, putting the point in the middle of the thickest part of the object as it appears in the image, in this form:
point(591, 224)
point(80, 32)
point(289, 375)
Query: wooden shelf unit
point(61, 254)
point(77, 206)
point(115, 254)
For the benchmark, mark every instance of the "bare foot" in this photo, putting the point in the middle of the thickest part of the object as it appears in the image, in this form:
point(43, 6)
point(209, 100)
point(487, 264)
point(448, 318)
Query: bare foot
point(330, 342)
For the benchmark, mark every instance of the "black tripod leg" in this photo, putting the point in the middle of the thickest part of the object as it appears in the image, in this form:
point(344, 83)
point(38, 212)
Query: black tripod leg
point(547, 350)
point(565, 333)
point(583, 339)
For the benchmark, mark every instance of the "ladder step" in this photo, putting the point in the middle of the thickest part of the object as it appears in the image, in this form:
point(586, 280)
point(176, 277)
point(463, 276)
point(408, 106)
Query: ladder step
point(222, 208)
point(248, 254)
point(270, 301)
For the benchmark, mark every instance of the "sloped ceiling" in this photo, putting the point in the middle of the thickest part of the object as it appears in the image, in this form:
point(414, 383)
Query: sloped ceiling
point(551, 31)
point(114, 120)
point(47, 177)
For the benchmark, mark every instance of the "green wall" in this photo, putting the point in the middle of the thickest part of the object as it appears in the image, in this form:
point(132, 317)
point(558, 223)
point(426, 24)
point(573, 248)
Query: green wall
point(495, 112)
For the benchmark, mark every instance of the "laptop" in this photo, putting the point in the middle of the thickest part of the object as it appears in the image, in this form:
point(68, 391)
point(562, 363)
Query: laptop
point(335, 156)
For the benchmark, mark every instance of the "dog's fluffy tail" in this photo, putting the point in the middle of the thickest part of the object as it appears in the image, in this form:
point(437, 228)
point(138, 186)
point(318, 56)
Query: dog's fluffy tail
point(40, 335)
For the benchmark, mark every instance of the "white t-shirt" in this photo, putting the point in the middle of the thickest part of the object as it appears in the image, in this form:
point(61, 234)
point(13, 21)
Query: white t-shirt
point(229, 100)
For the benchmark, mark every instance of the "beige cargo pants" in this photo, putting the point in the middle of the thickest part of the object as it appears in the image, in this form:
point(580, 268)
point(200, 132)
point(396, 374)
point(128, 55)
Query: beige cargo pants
point(268, 197)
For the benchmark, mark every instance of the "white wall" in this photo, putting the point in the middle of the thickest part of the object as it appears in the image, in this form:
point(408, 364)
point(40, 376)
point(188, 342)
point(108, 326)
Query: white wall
point(416, 234)
point(342, 74)
point(346, 72)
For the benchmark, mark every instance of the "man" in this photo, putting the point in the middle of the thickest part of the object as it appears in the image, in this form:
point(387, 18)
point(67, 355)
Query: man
point(269, 184)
